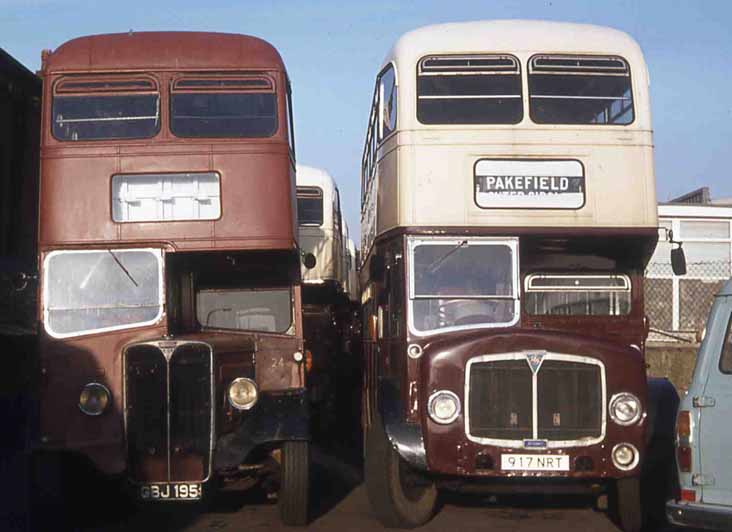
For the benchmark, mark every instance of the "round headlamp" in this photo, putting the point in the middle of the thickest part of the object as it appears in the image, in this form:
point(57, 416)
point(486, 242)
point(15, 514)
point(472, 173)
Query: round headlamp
point(625, 456)
point(443, 407)
point(625, 409)
point(94, 399)
point(243, 393)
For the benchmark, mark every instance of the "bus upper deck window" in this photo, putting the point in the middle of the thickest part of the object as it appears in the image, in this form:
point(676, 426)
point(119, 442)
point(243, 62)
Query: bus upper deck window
point(469, 89)
point(105, 108)
point(226, 106)
point(580, 90)
point(310, 206)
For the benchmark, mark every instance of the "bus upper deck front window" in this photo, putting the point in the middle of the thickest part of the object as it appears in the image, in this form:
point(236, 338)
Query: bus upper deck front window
point(226, 106)
point(105, 108)
point(462, 283)
point(580, 90)
point(469, 89)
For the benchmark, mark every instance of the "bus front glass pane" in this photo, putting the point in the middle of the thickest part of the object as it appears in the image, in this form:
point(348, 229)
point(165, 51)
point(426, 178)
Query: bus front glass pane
point(92, 291)
point(481, 89)
point(260, 309)
point(232, 108)
point(462, 284)
point(105, 109)
point(580, 90)
point(578, 295)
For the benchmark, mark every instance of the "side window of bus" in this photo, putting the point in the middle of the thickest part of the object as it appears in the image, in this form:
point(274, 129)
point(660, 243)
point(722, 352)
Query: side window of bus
point(369, 151)
point(387, 102)
point(290, 121)
point(580, 90)
point(396, 296)
point(337, 213)
point(725, 360)
point(469, 89)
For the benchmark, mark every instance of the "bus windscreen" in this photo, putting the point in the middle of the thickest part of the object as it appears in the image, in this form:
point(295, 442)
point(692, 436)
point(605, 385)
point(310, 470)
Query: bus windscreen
point(227, 107)
point(482, 89)
point(580, 90)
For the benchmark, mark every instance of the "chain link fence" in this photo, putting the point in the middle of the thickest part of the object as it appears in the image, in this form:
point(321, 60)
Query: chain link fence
point(677, 307)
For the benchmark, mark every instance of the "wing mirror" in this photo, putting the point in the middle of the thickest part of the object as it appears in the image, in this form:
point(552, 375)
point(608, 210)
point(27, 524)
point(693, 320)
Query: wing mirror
point(678, 258)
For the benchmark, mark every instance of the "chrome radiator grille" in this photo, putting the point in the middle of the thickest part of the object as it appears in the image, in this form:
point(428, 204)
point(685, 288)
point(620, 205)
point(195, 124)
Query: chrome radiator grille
point(168, 411)
point(546, 397)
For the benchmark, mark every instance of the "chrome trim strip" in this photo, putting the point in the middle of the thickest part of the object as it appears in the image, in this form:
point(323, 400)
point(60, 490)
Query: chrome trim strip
point(551, 444)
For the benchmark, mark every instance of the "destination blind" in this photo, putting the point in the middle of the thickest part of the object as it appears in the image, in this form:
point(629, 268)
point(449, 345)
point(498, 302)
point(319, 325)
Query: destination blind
point(501, 183)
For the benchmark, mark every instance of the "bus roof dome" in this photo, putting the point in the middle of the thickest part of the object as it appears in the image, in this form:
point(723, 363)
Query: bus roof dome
point(163, 50)
point(514, 36)
point(309, 175)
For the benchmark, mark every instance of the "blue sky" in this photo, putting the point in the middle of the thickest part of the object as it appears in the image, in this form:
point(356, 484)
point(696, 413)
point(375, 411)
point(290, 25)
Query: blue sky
point(333, 50)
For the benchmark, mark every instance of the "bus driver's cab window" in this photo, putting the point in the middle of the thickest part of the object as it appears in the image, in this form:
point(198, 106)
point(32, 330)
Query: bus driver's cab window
point(462, 283)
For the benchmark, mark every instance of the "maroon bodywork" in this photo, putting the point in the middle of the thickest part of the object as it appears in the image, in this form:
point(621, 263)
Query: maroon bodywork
point(258, 213)
point(618, 342)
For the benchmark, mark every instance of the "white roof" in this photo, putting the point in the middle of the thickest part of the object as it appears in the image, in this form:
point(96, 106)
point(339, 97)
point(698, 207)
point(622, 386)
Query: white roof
point(314, 177)
point(514, 36)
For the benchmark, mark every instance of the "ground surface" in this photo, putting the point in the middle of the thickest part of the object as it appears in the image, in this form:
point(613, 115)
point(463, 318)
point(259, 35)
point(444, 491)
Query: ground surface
point(341, 505)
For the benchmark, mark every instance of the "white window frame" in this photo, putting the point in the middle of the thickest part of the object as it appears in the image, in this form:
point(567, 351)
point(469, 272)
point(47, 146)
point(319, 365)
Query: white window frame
point(512, 243)
point(157, 253)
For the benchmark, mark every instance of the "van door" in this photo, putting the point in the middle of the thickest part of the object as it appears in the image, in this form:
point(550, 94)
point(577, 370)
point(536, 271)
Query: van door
point(715, 419)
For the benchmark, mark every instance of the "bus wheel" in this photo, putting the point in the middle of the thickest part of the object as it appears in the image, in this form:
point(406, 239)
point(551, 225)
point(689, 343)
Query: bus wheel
point(627, 504)
point(293, 499)
point(399, 496)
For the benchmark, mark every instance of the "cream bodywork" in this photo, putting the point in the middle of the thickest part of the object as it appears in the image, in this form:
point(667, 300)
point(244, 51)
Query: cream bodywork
point(424, 173)
point(323, 241)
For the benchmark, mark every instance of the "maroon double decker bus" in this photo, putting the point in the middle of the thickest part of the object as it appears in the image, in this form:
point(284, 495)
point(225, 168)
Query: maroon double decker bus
point(171, 345)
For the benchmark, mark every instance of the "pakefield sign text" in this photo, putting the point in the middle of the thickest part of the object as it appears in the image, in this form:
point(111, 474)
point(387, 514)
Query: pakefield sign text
point(529, 184)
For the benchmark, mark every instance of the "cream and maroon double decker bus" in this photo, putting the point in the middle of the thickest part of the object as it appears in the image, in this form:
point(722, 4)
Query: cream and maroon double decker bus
point(171, 344)
point(508, 213)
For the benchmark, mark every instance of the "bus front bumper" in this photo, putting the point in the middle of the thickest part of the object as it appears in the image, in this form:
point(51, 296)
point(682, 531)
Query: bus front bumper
point(697, 515)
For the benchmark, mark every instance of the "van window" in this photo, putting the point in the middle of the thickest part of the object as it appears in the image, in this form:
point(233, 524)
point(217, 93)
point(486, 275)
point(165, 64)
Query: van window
point(580, 90)
point(725, 361)
point(469, 89)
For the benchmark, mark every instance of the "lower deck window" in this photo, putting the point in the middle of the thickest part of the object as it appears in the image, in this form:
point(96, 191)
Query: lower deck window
point(578, 295)
point(462, 283)
point(100, 290)
point(261, 309)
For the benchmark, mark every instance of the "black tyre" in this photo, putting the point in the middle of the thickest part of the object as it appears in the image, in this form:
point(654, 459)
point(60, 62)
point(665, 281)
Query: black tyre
point(626, 504)
point(400, 497)
point(293, 499)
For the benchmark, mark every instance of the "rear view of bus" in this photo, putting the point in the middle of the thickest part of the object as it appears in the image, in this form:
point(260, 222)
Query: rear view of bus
point(508, 212)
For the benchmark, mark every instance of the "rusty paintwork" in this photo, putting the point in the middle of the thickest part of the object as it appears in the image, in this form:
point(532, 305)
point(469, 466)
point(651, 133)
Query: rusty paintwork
point(618, 342)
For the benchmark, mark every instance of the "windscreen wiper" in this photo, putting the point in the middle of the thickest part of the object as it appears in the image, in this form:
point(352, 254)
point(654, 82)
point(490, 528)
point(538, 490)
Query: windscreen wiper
point(432, 268)
point(123, 268)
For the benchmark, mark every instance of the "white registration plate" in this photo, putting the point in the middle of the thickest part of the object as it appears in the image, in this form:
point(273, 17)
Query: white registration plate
point(534, 462)
point(171, 492)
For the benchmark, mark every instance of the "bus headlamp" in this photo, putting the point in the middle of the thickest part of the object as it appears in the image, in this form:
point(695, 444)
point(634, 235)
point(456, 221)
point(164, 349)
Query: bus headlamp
point(243, 393)
point(94, 399)
point(625, 456)
point(443, 407)
point(625, 409)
